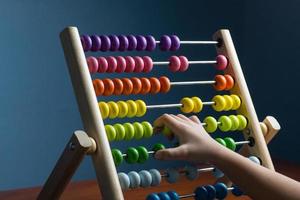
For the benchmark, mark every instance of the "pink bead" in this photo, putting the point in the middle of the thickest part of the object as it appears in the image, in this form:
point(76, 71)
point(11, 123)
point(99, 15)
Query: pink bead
point(174, 64)
point(112, 64)
point(148, 64)
point(139, 64)
point(184, 63)
point(222, 62)
point(92, 64)
point(130, 64)
point(121, 64)
point(103, 65)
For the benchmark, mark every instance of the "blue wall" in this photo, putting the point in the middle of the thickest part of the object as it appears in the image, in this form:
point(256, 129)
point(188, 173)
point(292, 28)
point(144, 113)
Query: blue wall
point(37, 105)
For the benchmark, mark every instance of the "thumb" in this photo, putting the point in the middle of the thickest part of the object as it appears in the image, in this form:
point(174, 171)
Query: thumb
point(178, 153)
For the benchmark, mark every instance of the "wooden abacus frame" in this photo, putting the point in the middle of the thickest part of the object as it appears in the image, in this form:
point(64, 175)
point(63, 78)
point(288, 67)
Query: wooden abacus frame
point(94, 140)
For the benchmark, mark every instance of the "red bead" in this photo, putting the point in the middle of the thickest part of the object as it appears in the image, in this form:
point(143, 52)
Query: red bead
point(155, 85)
point(139, 64)
point(174, 63)
point(146, 86)
point(130, 64)
point(127, 86)
point(118, 86)
point(164, 84)
point(137, 85)
point(109, 87)
point(148, 64)
point(98, 87)
point(121, 64)
point(112, 64)
point(102, 65)
point(184, 63)
point(222, 62)
point(92, 64)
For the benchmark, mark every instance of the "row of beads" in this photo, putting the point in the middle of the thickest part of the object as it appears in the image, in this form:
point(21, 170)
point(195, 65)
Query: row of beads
point(128, 43)
point(207, 192)
point(134, 155)
point(153, 85)
point(128, 131)
point(226, 102)
point(225, 123)
point(227, 142)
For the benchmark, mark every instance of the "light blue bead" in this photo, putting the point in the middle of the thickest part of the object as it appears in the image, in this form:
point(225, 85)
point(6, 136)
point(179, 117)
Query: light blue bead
point(191, 172)
point(153, 196)
point(254, 159)
point(172, 175)
point(124, 181)
point(156, 177)
point(221, 190)
point(173, 195)
point(217, 173)
point(164, 196)
point(135, 179)
point(146, 178)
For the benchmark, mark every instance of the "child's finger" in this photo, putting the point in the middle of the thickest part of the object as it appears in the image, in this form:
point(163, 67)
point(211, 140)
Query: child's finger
point(184, 118)
point(178, 153)
point(195, 119)
point(166, 120)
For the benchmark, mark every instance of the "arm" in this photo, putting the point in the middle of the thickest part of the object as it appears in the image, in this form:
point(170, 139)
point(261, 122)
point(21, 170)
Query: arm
point(197, 146)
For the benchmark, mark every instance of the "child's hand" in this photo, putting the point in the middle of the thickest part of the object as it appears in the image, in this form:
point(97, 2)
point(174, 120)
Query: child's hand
point(195, 143)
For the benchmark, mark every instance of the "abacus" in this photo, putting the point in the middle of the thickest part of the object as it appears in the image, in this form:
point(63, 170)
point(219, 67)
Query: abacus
point(95, 138)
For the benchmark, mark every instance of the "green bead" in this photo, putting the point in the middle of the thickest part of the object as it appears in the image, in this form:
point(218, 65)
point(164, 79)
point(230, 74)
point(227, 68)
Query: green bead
point(143, 154)
point(129, 131)
point(138, 130)
point(132, 155)
point(235, 123)
point(166, 131)
point(221, 141)
point(225, 123)
point(120, 131)
point(117, 156)
point(230, 143)
point(148, 130)
point(211, 124)
point(243, 122)
point(158, 146)
point(110, 132)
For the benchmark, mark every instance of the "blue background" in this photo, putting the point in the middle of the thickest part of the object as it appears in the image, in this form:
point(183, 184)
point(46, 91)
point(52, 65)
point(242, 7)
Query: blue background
point(38, 112)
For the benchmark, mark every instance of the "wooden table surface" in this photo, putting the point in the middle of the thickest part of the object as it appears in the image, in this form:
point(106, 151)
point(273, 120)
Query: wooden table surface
point(88, 190)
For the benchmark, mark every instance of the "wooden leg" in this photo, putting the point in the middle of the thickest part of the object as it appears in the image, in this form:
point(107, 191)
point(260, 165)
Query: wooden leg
point(79, 145)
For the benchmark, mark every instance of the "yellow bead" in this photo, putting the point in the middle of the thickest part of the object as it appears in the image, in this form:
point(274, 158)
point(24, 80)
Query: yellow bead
point(198, 105)
point(220, 103)
point(123, 109)
point(113, 109)
point(229, 102)
point(187, 105)
point(132, 108)
point(141, 108)
point(236, 102)
point(104, 109)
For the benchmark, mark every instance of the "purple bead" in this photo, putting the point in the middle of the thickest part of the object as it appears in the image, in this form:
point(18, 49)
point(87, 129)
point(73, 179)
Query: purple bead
point(141, 43)
point(115, 43)
point(86, 42)
point(105, 46)
point(175, 42)
point(131, 42)
point(123, 43)
point(96, 43)
point(165, 43)
point(151, 44)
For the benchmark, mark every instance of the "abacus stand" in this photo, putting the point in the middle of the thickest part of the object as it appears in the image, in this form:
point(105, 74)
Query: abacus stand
point(80, 144)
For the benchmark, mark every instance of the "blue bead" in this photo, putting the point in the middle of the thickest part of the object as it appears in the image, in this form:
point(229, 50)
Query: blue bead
point(191, 172)
point(124, 181)
point(156, 177)
point(164, 196)
point(173, 195)
point(153, 196)
point(217, 173)
point(236, 191)
point(201, 193)
point(211, 192)
point(146, 178)
point(172, 175)
point(221, 190)
point(135, 179)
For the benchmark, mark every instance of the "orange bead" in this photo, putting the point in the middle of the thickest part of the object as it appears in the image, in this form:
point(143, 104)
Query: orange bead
point(164, 84)
point(229, 82)
point(137, 85)
point(220, 83)
point(146, 86)
point(118, 86)
point(127, 86)
point(98, 87)
point(109, 87)
point(155, 85)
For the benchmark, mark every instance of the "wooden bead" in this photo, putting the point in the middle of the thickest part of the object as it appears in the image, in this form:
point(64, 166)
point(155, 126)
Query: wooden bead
point(123, 109)
point(211, 124)
point(127, 86)
point(113, 109)
point(174, 63)
point(130, 64)
point(146, 86)
point(220, 103)
point(98, 87)
point(235, 122)
point(135, 179)
point(118, 86)
point(222, 62)
point(220, 141)
point(242, 122)
point(229, 102)
point(109, 87)
point(92, 63)
point(158, 146)
point(236, 102)
point(137, 85)
point(132, 108)
point(148, 64)
point(143, 155)
point(225, 123)
point(104, 109)
point(155, 85)
point(156, 177)
point(230, 143)
point(102, 64)
point(198, 105)
point(148, 129)
point(139, 64)
point(187, 105)
point(146, 178)
point(124, 181)
point(112, 64)
point(221, 190)
point(220, 83)
point(121, 64)
point(191, 172)
point(129, 130)
point(141, 108)
point(120, 132)
point(117, 156)
point(172, 175)
point(164, 84)
point(229, 82)
point(138, 130)
point(110, 132)
point(132, 155)
point(184, 63)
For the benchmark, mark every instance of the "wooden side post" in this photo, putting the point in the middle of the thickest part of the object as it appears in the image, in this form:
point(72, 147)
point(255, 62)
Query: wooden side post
point(90, 114)
point(226, 48)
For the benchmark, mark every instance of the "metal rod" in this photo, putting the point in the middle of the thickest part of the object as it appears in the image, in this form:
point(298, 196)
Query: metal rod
point(190, 62)
point(186, 196)
point(204, 124)
point(194, 42)
point(193, 83)
point(175, 105)
point(208, 169)
point(242, 142)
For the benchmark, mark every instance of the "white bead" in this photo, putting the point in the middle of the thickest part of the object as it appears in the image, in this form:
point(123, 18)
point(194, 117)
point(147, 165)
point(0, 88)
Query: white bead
point(135, 179)
point(217, 173)
point(156, 177)
point(254, 159)
point(191, 172)
point(124, 181)
point(172, 175)
point(146, 178)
